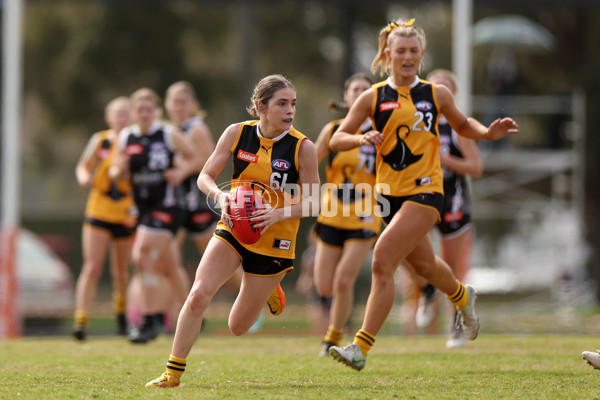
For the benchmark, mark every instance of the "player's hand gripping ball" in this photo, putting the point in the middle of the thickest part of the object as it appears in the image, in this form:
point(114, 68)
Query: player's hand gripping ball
point(245, 202)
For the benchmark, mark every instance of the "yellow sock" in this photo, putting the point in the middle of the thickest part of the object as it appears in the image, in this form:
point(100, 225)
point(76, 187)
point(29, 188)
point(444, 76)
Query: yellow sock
point(119, 303)
point(334, 335)
point(81, 318)
point(364, 340)
point(460, 297)
point(176, 366)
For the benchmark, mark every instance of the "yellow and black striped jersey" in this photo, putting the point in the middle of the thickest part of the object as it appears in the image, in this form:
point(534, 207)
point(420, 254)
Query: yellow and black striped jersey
point(271, 167)
point(109, 201)
point(348, 199)
point(408, 159)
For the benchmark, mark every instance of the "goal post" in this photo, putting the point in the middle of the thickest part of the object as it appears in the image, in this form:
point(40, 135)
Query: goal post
point(10, 321)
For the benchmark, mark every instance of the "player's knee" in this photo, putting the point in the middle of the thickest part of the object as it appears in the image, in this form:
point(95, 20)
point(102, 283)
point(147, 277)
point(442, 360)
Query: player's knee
point(92, 270)
point(381, 268)
point(323, 289)
point(198, 300)
point(237, 329)
point(343, 284)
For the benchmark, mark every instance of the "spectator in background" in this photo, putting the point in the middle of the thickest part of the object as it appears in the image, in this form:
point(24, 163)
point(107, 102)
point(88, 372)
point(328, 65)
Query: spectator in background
point(110, 219)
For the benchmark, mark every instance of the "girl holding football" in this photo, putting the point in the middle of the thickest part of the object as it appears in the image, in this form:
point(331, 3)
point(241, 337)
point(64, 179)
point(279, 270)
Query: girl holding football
point(271, 155)
point(405, 111)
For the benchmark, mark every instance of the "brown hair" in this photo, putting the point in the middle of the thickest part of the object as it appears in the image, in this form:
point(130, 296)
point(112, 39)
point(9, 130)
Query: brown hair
point(445, 74)
point(387, 34)
point(341, 105)
point(187, 88)
point(265, 89)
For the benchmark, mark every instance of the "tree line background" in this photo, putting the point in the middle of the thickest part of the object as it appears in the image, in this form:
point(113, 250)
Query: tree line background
point(79, 55)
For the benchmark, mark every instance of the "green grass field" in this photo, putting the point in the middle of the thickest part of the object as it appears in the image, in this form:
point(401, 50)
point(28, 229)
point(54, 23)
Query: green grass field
point(285, 367)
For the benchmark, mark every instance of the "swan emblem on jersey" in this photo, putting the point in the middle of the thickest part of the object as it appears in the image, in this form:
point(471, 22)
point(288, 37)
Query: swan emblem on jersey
point(114, 192)
point(401, 156)
point(346, 193)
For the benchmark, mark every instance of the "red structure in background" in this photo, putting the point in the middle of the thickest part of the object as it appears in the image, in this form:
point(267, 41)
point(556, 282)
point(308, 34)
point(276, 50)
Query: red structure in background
point(10, 325)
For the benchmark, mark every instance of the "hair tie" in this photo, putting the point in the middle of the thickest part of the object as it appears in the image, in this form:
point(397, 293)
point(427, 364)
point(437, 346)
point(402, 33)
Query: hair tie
point(408, 23)
point(393, 25)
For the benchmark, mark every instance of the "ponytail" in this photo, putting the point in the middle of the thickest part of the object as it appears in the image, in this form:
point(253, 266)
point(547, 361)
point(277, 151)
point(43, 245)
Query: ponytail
point(392, 29)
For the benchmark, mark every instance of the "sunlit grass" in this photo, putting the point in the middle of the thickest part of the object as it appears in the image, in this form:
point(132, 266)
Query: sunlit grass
point(272, 367)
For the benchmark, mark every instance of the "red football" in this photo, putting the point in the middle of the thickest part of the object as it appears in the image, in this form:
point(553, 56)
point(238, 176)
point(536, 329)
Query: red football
point(245, 202)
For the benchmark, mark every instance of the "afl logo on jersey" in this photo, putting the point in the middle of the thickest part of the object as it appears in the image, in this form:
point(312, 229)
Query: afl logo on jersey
point(248, 157)
point(281, 165)
point(390, 105)
point(134, 149)
point(424, 105)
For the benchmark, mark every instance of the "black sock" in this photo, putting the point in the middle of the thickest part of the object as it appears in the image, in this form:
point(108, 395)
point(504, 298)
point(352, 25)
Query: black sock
point(428, 290)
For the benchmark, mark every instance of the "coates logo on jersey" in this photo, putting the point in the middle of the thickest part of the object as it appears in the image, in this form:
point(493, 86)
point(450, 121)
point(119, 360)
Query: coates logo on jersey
point(390, 105)
point(133, 149)
point(281, 165)
point(249, 157)
point(424, 105)
point(103, 153)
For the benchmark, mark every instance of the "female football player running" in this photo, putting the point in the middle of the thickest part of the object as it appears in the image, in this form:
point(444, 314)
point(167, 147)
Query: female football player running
point(405, 111)
point(347, 226)
point(275, 157)
point(110, 219)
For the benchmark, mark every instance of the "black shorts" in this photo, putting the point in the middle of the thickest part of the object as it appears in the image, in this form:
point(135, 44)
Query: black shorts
point(254, 263)
point(337, 237)
point(454, 222)
point(117, 231)
point(431, 200)
point(200, 221)
point(161, 218)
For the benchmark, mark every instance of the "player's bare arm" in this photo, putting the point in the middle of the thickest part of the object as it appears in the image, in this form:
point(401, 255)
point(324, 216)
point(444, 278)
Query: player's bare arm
point(344, 138)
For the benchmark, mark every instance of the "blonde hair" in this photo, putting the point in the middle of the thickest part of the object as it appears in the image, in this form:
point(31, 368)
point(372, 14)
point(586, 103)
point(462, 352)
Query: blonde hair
point(265, 89)
point(114, 103)
point(187, 88)
point(387, 34)
point(146, 94)
point(445, 74)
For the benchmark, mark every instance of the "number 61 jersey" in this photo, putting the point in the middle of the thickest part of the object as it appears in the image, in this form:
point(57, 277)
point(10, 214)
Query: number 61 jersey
point(270, 166)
